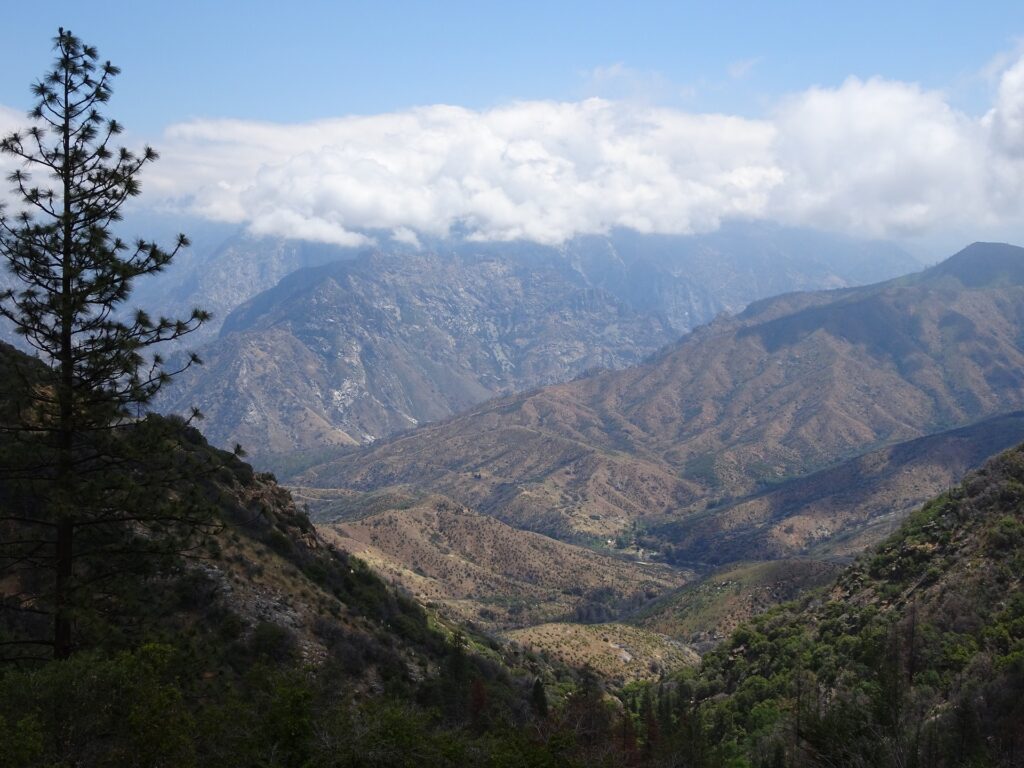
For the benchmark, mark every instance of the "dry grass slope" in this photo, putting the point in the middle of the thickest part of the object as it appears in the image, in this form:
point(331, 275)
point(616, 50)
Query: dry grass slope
point(484, 571)
point(846, 509)
point(617, 652)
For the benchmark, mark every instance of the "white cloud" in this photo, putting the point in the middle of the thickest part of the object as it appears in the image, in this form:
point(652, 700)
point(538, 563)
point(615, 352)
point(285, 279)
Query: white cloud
point(538, 170)
point(880, 158)
point(406, 236)
point(873, 157)
point(1006, 118)
point(10, 120)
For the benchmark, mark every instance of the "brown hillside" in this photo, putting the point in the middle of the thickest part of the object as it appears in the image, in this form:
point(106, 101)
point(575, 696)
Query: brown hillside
point(483, 571)
point(617, 652)
point(843, 510)
point(705, 613)
point(791, 385)
point(356, 350)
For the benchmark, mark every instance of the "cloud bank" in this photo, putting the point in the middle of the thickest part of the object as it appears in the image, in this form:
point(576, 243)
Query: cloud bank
point(538, 171)
point(876, 157)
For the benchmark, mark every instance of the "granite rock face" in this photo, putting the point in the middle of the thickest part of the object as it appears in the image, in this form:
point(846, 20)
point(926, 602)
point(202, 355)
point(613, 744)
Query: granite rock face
point(372, 343)
point(355, 350)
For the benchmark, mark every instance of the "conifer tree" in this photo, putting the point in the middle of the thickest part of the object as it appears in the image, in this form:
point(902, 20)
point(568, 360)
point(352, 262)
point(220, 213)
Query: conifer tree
point(539, 700)
point(74, 439)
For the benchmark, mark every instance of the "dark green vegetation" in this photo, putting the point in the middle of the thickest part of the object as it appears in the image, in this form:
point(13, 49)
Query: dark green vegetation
point(267, 647)
point(914, 657)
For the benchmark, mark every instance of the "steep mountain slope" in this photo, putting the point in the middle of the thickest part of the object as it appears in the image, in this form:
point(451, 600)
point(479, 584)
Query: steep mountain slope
point(224, 268)
point(791, 385)
point(842, 510)
point(255, 560)
point(687, 279)
point(915, 656)
point(691, 279)
point(354, 350)
point(418, 334)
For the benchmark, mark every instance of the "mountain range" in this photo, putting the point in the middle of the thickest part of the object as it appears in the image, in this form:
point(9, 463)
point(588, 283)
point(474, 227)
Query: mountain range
point(275, 643)
point(376, 342)
point(357, 349)
point(792, 385)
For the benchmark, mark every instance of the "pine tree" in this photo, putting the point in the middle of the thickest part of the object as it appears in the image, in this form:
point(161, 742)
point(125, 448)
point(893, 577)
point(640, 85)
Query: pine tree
point(73, 503)
point(539, 700)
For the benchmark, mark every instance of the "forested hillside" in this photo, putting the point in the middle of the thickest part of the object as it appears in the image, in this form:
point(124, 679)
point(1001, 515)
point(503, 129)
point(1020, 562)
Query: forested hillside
point(915, 656)
point(261, 644)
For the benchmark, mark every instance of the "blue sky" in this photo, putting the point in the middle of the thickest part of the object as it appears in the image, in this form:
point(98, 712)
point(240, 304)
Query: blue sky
point(326, 120)
point(303, 60)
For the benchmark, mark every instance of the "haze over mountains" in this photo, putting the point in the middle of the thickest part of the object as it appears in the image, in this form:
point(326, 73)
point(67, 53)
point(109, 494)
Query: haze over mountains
point(791, 385)
point(380, 341)
point(354, 350)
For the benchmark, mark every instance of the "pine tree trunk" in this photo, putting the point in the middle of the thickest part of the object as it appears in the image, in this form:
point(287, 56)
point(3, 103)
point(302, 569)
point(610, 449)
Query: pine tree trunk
point(62, 615)
point(65, 395)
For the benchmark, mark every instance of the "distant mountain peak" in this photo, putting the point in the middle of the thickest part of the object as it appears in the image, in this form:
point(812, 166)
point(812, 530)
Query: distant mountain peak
point(981, 264)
